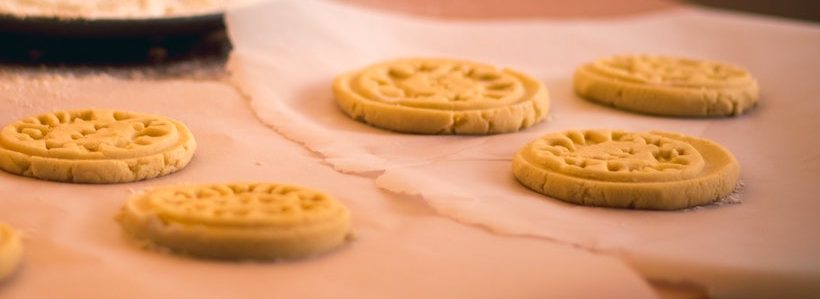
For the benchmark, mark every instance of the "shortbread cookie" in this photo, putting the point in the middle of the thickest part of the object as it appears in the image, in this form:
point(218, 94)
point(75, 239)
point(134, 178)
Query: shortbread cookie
point(95, 146)
point(651, 170)
point(441, 96)
point(11, 251)
point(238, 221)
point(667, 86)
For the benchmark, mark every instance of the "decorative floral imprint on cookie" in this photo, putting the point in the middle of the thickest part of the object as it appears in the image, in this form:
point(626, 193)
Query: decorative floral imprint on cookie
point(90, 134)
point(241, 204)
point(650, 170)
point(669, 86)
point(238, 221)
point(433, 83)
point(442, 96)
point(671, 71)
point(617, 155)
point(95, 146)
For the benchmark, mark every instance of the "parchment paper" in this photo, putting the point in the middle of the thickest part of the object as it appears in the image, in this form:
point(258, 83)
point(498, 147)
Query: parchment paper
point(74, 249)
point(765, 246)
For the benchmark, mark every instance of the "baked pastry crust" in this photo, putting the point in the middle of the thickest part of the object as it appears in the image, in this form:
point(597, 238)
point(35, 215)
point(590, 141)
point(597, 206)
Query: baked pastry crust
point(442, 96)
point(238, 221)
point(619, 169)
point(667, 86)
point(95, 146)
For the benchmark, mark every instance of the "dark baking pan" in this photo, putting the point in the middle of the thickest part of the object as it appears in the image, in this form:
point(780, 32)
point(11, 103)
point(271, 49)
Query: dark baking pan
point(119, 28)
point(42, 40)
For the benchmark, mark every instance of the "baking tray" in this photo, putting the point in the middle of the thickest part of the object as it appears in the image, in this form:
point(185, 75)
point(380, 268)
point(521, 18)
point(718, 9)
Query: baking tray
point(48, 40)
point(102, 28)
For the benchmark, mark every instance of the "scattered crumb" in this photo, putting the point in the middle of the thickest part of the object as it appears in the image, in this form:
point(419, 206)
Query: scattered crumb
point(731, 199)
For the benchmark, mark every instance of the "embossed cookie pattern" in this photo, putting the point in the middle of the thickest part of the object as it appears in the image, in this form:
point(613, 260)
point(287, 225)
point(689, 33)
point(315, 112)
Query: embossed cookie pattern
point(238, 221)
point(667, 85)
point(440, 96)
point(644, 170)
point(95, 146)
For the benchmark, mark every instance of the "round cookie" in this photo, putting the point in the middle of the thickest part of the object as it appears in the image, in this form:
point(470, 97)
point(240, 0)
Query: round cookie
point(644, 170)
point(442, 96)
point(95, 146)
point(11, 251)
point(667, 85)
point(238, 221)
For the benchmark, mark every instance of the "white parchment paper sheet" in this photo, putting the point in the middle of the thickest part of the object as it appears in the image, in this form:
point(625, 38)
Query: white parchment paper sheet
point(74, 249)
point(288, 52)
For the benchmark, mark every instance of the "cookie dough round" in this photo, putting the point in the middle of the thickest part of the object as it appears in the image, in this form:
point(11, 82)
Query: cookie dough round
point(11, 251)
point(95, 146)
point(619, 169)
point(238, 221)
point(442, 96)
point(668, 86)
